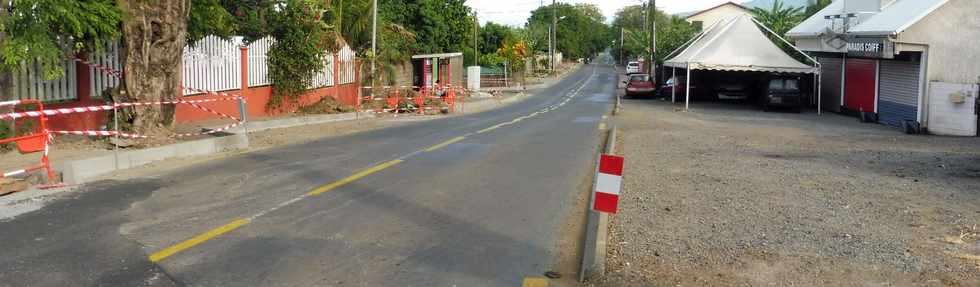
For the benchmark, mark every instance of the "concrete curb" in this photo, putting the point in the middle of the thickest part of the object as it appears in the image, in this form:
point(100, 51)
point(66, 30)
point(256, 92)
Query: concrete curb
point(299, 121)
point(84, 170)
point(597, 227)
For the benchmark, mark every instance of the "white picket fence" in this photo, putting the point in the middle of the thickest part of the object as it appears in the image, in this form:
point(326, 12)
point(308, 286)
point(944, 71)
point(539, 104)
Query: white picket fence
point(99, 81)
point(29, 84)
point(347, 65)
point(212, 64)
point(258, 70)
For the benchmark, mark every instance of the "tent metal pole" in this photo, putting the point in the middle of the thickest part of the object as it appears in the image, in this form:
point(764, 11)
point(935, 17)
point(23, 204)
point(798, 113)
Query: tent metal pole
point(784, 41)
point(673, 89)
point(819, 94)
point(684, 47)
point(687, 92)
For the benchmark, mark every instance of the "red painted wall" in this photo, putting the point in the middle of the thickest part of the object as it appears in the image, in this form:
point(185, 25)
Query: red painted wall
point(257, 99)
point(76, 122)
point(859, 85)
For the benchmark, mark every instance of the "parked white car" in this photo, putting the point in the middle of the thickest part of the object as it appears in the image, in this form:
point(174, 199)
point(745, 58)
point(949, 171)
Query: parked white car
point(633, 68)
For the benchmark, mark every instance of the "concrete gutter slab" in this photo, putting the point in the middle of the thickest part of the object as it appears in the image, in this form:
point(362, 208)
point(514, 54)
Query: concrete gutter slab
point(84, 170)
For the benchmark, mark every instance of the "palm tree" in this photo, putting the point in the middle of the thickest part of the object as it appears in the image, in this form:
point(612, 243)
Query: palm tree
point(814, 6)
point(780, 18)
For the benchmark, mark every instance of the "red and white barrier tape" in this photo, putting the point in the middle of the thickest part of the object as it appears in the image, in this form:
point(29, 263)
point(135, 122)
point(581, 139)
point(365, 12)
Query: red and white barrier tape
point(13, 173)
point(10, 103)
point(138, 136)
point(100, 133)
point(210, 92)
point(102, 68)
point(61, 111)
point(214, 131)
point(416, 87)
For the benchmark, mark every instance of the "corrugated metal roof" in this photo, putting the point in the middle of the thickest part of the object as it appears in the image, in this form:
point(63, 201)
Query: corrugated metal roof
point(893, 18)
point(897, 17)
point(443, 55)
point(816, 24)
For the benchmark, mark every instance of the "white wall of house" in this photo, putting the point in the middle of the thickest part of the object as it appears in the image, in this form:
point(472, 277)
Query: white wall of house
point(947, 38)
point(719, 13)
point(950, 35)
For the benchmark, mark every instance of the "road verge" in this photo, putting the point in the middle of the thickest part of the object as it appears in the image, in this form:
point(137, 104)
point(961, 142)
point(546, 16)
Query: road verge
point(597, 224)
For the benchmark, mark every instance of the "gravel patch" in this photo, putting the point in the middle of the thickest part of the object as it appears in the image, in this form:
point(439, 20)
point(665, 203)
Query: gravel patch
point(731, 196)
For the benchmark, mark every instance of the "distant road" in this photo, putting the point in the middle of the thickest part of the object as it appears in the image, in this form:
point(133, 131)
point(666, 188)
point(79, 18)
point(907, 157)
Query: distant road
point(474, 200)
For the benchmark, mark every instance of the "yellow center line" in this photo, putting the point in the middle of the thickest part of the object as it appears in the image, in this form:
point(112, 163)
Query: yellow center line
point(534, 282)
point(204, 237)
point(353, 177)
point(201, 238)
point(444, 144)
point(211, 234)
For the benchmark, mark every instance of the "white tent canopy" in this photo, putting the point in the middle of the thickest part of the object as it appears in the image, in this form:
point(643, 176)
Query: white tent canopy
point(735, 44)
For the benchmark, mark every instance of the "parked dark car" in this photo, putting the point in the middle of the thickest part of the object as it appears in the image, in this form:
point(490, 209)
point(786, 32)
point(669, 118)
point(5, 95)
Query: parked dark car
point(639, 85)
point(732, 89)
point(681, 83)
point(782, 92)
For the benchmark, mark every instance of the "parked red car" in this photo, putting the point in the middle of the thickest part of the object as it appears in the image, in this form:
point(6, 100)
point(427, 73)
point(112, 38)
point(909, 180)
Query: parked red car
point(681, 83)
point(640, 85)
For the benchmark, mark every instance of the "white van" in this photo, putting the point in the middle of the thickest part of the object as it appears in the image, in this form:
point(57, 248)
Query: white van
point(633, 68)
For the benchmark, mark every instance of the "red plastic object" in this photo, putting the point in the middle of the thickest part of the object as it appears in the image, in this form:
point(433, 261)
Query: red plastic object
point(35, 143)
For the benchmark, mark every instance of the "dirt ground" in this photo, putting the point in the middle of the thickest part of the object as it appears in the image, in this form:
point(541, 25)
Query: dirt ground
point(728, 195)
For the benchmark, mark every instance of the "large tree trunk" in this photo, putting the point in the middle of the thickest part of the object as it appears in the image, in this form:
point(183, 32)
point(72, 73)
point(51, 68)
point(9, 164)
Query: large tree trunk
point(154, 35)
point(6, 78)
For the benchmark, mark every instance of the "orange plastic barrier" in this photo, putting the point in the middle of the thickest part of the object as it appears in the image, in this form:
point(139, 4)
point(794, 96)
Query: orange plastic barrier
point(36, 142)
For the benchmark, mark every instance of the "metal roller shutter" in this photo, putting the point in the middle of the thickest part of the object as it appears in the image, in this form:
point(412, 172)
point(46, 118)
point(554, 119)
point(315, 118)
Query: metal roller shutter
point(898, 94)
point(830, 83)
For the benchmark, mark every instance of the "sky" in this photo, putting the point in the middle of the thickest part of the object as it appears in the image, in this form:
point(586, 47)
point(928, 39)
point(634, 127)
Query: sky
point(516, 12)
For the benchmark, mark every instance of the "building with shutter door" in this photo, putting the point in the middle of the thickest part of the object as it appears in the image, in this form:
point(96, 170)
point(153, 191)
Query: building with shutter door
point(832, 74)
point(888, 54)
point(898, 90)
point(860, 82)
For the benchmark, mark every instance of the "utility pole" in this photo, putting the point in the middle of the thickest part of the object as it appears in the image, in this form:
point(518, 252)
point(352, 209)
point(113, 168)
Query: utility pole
point(476, 44)
point(554, 33)
point(621, 45)
point(646, 23)
point(653, 38)
point(374, 40)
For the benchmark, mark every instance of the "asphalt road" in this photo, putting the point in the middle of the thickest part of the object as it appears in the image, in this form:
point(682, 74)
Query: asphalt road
point(474, 200)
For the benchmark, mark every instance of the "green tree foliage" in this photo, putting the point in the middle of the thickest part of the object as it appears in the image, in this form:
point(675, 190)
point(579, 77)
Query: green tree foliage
point(493, 36)
point(353, 19)
point(672, 33)
point(298, 53)
point(439, 26)
point(581, 31)
point(52, 31)
point(815, 6)
point(301, 32)
point(210, 17)
point(780, 18)
point(395, 46)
